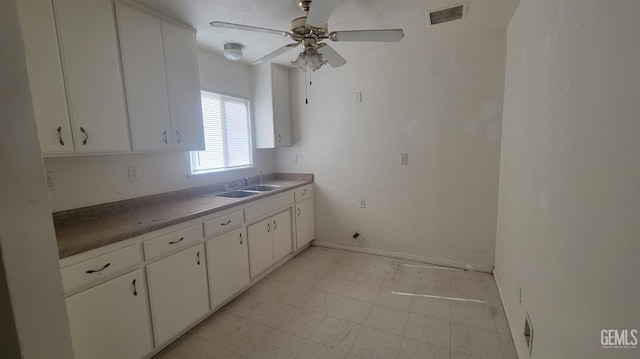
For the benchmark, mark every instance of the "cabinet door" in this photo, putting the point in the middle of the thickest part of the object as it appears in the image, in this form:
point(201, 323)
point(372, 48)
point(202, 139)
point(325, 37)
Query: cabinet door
point(305, 223)
point(45, 76)
point(93, 77)
point(178, 292)
point(183, 87)
point(260, 246)
point(228, 261)
point(262, 91)
point(281, 106)
point(143, 65)
point(282, 244)
point(111, 320)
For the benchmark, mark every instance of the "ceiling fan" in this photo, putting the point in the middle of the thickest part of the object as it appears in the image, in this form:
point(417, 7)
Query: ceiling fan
point(311, 31)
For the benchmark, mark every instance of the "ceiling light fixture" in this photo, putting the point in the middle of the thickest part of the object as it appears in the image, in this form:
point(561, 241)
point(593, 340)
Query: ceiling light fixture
point(310, 58)
point(233, 52)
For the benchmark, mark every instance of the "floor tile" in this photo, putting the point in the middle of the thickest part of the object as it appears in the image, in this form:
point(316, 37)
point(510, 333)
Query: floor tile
point(371, 277)
point(469, 289)
point(336, 333)
point(306, 279)
point(456, 355)
point(429, 330)
point(432, 307)
point(301, 322)
point(342, 271)
point(413, 349)
point(317, 300)
point(502, 325)
point(190, 347)
point(279, 345)
point(387, 298)
point(373, 344)
point(507, 347)
point(315, 350)
point(244, 304)
point(288, 293)
point(475, 342)
point(477, 315)
point(361, 291)
point(233, 333)
point(270, 312)
point(386, 319)
point(350, 309)
point(332, 285)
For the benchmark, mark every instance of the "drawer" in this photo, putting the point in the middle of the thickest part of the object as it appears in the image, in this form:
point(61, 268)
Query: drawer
point(97, 268)
point(223, 224)
point(303, 193)
point(158, 246)
point(268, 208)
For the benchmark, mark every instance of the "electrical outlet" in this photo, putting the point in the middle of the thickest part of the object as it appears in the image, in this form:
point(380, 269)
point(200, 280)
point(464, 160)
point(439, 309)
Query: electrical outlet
point(357, 97)
point(363, 203)
point(51, 182)
point(294, 159)
point(134, 174)
point(404, 158)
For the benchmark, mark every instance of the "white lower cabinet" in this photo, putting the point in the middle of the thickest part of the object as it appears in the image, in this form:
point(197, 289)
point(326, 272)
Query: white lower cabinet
point(228, 262)
point(178, 292)
point(269, 241)
point(305, 223)
point(111, 320)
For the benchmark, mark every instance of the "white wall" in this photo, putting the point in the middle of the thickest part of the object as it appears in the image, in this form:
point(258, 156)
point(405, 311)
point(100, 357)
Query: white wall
point(87, 180)
point(32, 307)
point(436, 95)
point(569, 209)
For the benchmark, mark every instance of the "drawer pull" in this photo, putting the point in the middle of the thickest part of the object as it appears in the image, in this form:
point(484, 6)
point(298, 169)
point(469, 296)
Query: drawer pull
point(179, 136)
point(275, 225)
point(98, 270)
point(86, 136)
point(60, 136)
point(298, 212)
point(268, 227)
point(164, 135)
point(135, 291)
point(304, 192)
point(178, 241)
point(198, 257)
point(225, 223)
point(240, 237)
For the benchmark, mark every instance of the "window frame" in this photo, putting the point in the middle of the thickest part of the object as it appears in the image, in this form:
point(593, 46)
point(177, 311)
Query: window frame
point(250, 132)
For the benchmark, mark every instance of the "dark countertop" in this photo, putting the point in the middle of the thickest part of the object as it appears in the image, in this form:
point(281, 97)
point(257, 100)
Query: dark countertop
point(84, 229)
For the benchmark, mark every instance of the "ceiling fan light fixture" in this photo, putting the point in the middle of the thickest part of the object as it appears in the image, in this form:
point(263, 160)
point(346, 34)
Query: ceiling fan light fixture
point(233, 52)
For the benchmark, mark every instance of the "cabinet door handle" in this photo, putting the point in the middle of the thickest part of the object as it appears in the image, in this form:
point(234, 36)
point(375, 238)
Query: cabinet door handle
point(86, 136)
point(164, 135)
point(179, 136)
point(298, 212)
point(240, 237)
point(60, 136)
point(98, 270)
point(178, 241)
point(135, 291)
point(275, 225)
point(225, 223)
point(304, 193)
point(268, 227)
point(198, 257)
point(279, 138)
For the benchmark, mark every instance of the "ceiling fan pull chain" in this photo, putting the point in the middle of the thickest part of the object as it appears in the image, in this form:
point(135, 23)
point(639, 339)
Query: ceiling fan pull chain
point(306, 88)
point(310, 83)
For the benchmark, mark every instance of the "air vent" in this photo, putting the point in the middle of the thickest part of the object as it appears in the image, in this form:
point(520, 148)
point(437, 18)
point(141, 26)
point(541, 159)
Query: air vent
point(451, 13)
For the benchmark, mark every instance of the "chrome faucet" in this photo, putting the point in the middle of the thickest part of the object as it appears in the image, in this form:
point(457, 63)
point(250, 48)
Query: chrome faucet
point(260, 177)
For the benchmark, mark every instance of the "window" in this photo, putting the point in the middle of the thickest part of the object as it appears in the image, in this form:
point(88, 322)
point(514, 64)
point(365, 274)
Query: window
point(227, 134)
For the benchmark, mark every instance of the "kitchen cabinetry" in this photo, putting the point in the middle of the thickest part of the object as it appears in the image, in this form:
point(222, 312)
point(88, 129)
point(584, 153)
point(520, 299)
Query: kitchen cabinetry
point(269, 241)
point(178, 292)
point(272, 117)
point(111, 320)
point(183, 87)
point(45, 76)
point(305, 222)
point(144, 78)
point(92, 74)
point(228, 262)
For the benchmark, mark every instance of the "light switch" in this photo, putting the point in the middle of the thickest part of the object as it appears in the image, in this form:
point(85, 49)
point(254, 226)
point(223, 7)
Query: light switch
point(294, 159)
point(404, 158)
point(358, 97)
point(363, 203)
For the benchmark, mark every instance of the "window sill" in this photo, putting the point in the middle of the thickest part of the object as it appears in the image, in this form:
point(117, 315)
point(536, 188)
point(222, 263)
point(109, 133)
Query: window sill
point(200, 174)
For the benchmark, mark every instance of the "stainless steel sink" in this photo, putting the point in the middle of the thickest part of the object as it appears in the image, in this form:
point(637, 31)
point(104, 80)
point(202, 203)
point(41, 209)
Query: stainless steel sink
point(235, 194)
point(261, 188)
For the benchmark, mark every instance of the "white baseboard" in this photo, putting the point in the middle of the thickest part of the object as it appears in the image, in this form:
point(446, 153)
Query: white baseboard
point(390, 254)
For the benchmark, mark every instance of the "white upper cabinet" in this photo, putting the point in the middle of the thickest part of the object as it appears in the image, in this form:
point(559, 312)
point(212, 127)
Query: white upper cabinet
point(183, 87)
point(45, 76)
point(271, 105)
point(92, 73)
point(144, 78)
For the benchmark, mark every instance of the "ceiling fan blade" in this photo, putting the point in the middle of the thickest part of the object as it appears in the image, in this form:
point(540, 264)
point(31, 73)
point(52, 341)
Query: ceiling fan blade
point(319, 12)
point(368, 35)
point(228, 25)
point(276, 53)
point(333, 58)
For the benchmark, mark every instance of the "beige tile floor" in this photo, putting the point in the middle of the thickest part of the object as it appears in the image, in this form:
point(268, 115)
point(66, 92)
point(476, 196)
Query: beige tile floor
point(327, 303)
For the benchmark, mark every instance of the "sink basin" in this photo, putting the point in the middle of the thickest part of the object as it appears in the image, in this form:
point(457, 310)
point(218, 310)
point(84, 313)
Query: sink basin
point(261, 188)
point(235, 194)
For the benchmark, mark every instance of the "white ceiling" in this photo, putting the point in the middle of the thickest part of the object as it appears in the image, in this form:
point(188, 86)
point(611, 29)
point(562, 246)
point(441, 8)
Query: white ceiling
point(483, 15)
